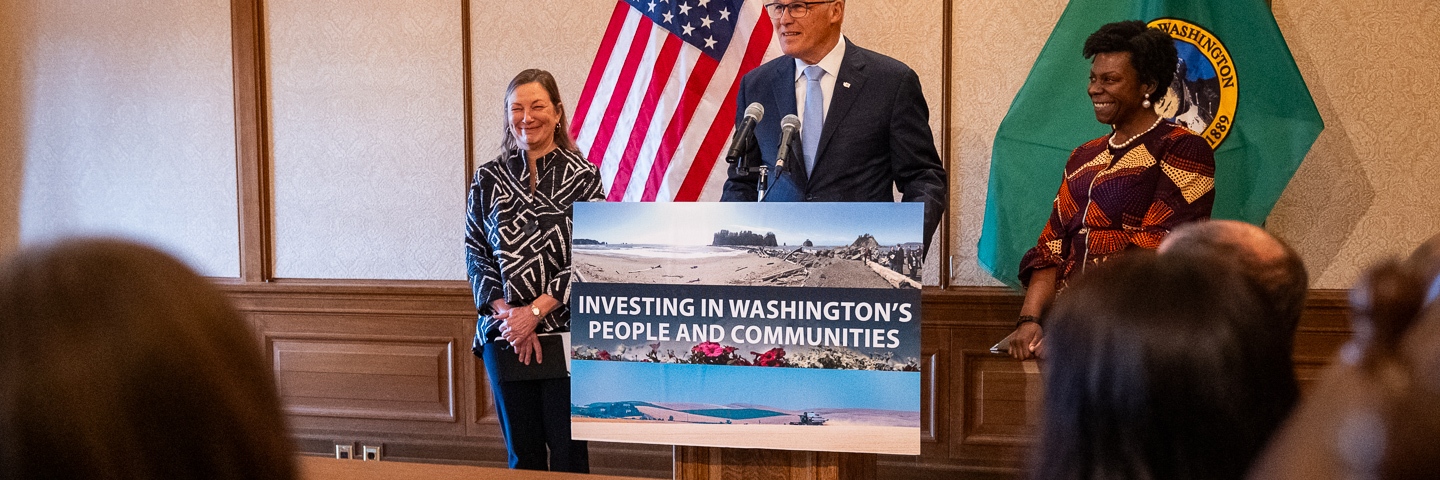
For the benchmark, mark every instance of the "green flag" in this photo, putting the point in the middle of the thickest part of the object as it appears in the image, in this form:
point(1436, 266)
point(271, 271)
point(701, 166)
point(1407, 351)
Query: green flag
point(1240, 90)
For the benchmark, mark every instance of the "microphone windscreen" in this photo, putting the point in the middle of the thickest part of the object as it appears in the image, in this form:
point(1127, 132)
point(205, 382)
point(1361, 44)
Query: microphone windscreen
point(790, 121)
point(755, 110)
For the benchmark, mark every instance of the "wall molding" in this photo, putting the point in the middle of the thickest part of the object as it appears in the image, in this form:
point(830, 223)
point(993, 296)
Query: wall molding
point(976, 407)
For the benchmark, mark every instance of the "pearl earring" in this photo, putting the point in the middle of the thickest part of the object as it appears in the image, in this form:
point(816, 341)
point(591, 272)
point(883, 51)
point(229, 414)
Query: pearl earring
point(1145, 103)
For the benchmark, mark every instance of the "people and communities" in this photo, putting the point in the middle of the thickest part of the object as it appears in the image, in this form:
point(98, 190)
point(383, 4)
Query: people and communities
point(1125, 190)
point(864, 124)
point(517, 256)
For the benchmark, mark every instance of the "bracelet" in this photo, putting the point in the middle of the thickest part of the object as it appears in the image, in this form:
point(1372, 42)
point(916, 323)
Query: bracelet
point(1027, 318)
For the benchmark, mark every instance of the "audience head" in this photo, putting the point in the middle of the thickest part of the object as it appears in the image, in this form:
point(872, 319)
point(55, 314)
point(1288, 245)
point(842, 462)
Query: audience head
point(1160, 367)
point(534, 115)
point(121, 362)
point(1373, 414)
point(1268, 263)
point(1426, 262)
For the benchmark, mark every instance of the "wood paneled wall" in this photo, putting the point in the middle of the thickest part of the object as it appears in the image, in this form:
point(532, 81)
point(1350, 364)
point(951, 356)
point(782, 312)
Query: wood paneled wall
point(390, 364)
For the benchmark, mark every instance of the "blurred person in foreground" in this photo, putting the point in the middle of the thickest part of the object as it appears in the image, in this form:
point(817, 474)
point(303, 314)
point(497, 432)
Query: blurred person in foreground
point(119, 362)
point(1125, 190)
point(1160, 368)
point(1374, 413)
point(1272, 267)
point(517, 256)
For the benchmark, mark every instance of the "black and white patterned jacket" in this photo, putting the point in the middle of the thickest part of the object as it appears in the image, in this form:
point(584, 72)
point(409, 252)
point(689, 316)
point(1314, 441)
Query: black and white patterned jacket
point(517, 246)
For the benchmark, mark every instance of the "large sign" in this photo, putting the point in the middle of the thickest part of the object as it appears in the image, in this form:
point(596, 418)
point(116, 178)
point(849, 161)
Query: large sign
point(752, 325)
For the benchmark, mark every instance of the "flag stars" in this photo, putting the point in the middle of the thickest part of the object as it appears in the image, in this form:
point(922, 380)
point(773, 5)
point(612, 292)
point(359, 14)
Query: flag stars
point(704, 2)
point(710, 42)
point(688, 28)
point(652, 6)
point(669, 17)
point(705, 22)
point(684, 8)
point(724, 14)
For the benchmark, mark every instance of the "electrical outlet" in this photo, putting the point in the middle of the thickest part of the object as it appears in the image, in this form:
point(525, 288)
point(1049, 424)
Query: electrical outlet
point(370, 453)
point(342, 452)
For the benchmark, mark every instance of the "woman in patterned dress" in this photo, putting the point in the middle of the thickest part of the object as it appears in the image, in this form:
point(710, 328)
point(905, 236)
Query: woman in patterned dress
point(1124, 190)
point(517, 256)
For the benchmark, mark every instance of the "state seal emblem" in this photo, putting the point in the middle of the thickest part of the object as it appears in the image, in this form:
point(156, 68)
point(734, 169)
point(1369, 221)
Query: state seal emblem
point(1202, 97)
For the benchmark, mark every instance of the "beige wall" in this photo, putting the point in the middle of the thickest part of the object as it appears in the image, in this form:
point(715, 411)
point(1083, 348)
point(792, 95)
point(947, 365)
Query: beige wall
point(1364, 192)
point(119, 121)
point(1368, 189)
point(368, 127)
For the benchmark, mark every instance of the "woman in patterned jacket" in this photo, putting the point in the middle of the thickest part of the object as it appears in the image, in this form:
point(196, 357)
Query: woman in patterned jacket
point(517, 256)
point(1126, 189)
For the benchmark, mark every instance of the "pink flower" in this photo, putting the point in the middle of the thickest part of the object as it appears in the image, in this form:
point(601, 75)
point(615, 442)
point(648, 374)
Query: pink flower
point(710, 349)
point(603, 355)
point(775, 357)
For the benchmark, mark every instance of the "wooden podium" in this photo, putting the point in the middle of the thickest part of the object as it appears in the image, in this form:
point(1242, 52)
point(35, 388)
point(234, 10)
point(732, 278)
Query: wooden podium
point(713, 463)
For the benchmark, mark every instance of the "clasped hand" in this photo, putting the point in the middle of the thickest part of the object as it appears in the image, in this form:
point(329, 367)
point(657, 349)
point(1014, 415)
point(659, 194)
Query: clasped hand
point(517, 326)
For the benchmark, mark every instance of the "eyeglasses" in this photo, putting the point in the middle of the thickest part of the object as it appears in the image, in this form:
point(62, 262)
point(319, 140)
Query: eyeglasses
point(797, 9)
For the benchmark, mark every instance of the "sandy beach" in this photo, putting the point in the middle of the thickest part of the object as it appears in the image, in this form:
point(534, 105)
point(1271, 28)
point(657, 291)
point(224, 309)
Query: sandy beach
point(775, 266)
point(833, 438)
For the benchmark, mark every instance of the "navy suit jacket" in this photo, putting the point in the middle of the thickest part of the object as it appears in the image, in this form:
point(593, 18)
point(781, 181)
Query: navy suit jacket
point(876, 134)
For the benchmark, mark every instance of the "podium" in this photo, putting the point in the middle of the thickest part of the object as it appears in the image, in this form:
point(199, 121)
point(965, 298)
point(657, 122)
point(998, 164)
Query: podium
point(714, 463)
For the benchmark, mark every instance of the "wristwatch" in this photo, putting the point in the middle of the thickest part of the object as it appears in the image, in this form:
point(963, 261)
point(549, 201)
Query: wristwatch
point(535, 310)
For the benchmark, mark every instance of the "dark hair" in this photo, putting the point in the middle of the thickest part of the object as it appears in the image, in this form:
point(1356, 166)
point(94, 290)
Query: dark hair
point(1152, 51)
point(1160, 367)
point(121, 362)
point(547, 81)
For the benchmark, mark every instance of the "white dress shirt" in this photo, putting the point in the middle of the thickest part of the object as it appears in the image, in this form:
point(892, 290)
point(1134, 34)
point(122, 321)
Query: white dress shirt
point(831, 64)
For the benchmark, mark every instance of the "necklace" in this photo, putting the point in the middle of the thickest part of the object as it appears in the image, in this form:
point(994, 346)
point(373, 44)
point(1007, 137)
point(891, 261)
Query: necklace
point(1132, 139)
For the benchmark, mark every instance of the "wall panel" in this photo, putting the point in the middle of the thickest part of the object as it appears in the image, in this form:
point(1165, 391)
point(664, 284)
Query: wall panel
point(367, 119)
point(123, 125)
point(366, 363)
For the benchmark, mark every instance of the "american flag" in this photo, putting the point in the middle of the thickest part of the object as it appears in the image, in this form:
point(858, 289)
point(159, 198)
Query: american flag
point(658, 107)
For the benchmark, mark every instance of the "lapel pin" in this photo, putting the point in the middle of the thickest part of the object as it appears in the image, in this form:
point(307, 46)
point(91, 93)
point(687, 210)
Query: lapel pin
point(846, 84)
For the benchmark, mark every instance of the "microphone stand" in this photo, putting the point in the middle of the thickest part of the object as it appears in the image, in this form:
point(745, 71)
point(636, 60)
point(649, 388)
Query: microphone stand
point(763, 187)
point(750, 159)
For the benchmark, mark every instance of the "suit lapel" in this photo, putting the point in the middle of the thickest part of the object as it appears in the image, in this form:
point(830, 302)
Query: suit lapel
point(785, 91)
point(852, 73)
point(785, 99)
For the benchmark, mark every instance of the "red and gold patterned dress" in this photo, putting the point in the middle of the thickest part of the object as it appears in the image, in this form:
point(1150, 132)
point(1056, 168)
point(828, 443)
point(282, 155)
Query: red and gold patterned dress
point(1114, 199)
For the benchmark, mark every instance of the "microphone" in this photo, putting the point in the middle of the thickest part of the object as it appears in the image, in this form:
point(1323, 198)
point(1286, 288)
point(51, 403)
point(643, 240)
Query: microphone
point(789, 129)
point(740, 142)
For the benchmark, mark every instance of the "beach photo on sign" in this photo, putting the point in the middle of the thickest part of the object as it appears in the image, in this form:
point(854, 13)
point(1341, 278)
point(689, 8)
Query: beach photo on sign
point(840, 245)
point(778, 408)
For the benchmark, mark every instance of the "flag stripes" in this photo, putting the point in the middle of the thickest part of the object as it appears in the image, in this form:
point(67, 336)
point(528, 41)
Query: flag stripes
point(658, 108)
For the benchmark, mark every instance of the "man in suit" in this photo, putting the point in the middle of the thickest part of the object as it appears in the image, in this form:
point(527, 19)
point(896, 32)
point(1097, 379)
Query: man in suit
point(865, 123)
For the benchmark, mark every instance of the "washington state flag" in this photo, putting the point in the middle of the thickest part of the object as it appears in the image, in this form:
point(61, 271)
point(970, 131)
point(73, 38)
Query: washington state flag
point(1236, 85)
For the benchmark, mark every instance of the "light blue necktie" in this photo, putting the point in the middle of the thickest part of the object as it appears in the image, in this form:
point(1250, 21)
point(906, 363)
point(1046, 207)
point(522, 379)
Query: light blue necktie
point(814, 120)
